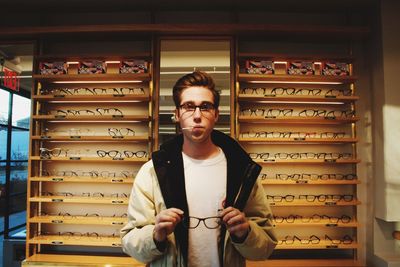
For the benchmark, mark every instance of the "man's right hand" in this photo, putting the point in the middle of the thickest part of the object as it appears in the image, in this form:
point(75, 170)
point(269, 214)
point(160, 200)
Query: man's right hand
point(166, 222)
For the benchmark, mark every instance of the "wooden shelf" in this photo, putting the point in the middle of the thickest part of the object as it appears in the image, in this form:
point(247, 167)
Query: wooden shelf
point(306, 263)
point(81, 260)
point(298, 140)
point(77, 138)
point(322, 223)
point(323, 244)
point(298, 202)
point(309, 182)
point(63, 179)
point(80, 200)
point(282, 78)
point(81, 241)
point(91, 159)
point(144, 77)
point(85, 57)
point(102, 118)
point(80, 220)
point(301, 99)
point(97, 98)
point(308, 161)
point(282, 57)
point(296, 120)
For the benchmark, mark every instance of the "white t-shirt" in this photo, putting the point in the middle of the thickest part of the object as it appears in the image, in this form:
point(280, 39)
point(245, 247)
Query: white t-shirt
point(205, 183)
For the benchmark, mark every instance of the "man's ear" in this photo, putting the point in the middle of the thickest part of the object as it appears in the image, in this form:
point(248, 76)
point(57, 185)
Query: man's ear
point(175, 117)
point(216, 115)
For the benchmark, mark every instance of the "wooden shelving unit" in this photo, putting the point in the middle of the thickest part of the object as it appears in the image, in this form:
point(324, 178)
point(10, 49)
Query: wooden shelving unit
point(295, 134)
point(100, 186)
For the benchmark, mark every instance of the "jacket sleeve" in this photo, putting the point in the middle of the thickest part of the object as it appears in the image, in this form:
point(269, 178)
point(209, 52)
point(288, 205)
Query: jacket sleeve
point(261, 239)
point(137, 234)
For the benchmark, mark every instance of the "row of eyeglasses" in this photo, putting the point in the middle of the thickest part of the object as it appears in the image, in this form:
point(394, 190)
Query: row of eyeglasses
point(66, 215)
point(309, 176)
point(313, 239)
point(311, 198)
point(303, 155)
point(89, 174)
point(46, 153)
point(77, 235)
point(120, 91)
point(313, 218)
point(85, 194)
point(264, 134)
point(288, 112)
point(295, 91)
point(114, 132)
point(84, 112)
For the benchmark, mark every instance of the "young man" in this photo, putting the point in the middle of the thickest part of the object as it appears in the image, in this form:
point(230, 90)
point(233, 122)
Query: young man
point(181, 211)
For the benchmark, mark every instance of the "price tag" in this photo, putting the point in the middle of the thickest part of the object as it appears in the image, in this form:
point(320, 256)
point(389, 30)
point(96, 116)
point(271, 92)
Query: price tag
point(302, 182)
point(330, 203)
point(57, 179)
point(59, 96)
point(45, 137)
point(117, 116)
point(75, 158)
point(117, 223)
point(300, 139)
point(330, 160)
point(59, 116)
point(270, 117)
point(117, 202)
point(117, 180)
point(118, 137)
point(118, 95)
point(118, 158)
point(271, 95)
point(330, 118)
point(57, 242)
point(116, 245)
point(331, 224)
point(332, 246)
point(57, 221)
point(57, 200)
point(75, 137)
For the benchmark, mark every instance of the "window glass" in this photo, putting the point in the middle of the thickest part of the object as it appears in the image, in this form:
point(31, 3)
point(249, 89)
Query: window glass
point(21, 111)
point(19, 144)
point(18, 177)
point(4, 95)
point(17, 210)
point(2, 192)
point(3, 142)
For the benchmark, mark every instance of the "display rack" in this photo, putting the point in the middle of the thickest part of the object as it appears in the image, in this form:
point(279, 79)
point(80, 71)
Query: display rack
point(301, 128)
point(90, 135)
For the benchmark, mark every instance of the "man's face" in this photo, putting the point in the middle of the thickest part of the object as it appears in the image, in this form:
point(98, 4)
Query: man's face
point(197, 115)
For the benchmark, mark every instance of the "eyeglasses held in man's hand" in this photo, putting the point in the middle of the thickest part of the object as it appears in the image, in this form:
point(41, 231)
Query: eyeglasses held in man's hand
point(191, 222)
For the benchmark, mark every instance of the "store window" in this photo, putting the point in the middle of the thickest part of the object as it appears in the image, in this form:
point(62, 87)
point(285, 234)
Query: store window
point(15, 110)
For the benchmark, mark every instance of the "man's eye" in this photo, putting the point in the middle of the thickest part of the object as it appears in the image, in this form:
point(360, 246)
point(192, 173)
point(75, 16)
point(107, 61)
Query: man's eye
point(206, 107)
point(189, 107)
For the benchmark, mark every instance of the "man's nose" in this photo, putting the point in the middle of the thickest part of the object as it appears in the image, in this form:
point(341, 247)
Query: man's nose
point(197, 112)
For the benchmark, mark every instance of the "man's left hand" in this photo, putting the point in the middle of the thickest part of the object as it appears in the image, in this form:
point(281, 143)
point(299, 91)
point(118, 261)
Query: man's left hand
point(236, 223)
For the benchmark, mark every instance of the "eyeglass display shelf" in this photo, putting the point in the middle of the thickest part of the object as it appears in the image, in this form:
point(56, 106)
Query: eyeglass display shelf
point(91, 159)
point(308, 161)
point(296, 120)
point(323, 244)
point(80, 260)
point(73, 98)
point(305, 140)
point(298, 202)
point(244, 77)
point(272, 98)
point(79, 199)
point(70, 138)
point(80, 241)
point(102, 118)
point(336, 262)
point(81, 179)
point(81, 220)
point(323, 222)
point(309, 182)
point(118, 77)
